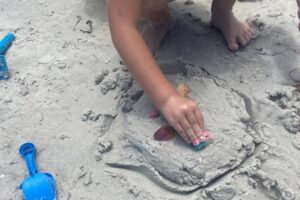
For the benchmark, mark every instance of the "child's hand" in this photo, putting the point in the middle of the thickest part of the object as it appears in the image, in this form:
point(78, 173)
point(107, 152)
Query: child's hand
point(185, 116)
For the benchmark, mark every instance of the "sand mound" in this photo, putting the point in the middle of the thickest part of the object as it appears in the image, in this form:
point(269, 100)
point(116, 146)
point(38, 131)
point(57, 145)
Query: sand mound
point(184, 169)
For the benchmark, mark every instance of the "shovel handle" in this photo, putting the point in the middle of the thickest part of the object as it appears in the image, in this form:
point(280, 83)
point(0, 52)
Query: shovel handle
point(6, 42)
point(27, 151)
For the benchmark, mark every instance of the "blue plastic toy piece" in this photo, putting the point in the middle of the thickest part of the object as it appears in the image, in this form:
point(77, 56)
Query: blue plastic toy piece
point(201, 146)
point(37, 185)
point(3, 68)
point(5, 43)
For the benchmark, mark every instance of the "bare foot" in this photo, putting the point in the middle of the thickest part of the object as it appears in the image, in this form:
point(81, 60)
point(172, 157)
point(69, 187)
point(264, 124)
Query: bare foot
point(156, 29)
point(235, 32)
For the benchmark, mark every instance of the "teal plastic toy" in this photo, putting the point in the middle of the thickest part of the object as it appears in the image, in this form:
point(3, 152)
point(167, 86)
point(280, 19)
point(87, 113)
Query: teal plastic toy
point(201, 146)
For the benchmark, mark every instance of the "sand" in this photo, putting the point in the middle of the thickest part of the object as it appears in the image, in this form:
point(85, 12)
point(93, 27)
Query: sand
point(71, 96)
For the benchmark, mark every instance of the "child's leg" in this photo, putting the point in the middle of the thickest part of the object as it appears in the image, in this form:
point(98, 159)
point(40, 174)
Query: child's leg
point(158, 16)
point(234, 31)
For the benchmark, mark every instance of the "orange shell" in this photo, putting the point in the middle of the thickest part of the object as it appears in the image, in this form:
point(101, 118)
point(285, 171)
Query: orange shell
point(183, 90)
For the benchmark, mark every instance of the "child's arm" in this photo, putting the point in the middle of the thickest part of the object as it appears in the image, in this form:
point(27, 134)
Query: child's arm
point(182, 113)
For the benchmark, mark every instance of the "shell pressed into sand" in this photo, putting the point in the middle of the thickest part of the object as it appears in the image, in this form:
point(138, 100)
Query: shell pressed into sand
point(183, 90)
point(165, 133)
point(154, 114)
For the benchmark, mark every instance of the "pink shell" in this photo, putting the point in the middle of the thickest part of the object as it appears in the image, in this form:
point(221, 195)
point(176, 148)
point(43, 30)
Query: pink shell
point(208, 136)
point(165, 133)
point(154, 114)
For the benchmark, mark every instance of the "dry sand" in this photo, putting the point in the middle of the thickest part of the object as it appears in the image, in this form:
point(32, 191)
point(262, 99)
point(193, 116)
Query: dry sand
point(70, 95)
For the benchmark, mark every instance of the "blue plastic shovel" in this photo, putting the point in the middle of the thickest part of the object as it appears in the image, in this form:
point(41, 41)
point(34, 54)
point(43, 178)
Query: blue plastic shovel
point(38, 186)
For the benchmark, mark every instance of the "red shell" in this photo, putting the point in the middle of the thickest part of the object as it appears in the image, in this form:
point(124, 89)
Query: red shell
point(165, 133)
point(154, 114)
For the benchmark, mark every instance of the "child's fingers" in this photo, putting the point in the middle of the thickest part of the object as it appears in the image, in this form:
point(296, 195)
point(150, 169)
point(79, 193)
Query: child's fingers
point(180, 130)
point(189, 131)
point(194, 122)
point(199, 118)
point(197, 130)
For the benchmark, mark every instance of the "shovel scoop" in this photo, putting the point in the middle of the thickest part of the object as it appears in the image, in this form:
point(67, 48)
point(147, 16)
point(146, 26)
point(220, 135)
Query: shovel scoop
point(38, 186)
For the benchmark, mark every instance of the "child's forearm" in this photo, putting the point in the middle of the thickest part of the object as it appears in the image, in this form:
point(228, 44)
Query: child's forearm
point(141, 63)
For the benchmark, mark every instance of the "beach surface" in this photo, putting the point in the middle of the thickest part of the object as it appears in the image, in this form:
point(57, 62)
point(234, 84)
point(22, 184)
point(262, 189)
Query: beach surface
point(72, 96)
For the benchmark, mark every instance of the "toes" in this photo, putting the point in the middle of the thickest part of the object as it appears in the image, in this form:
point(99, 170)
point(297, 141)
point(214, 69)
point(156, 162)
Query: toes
point(250, 29)
point(248, 33)
point(242, 40)
point(232, 44)
point(247, 37)
point(240, 36)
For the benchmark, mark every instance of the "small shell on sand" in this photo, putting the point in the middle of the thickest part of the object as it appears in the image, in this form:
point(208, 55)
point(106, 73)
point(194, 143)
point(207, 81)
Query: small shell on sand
point(183, 90)
point(208, 136)
point(154, 114)
point(165, 133)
